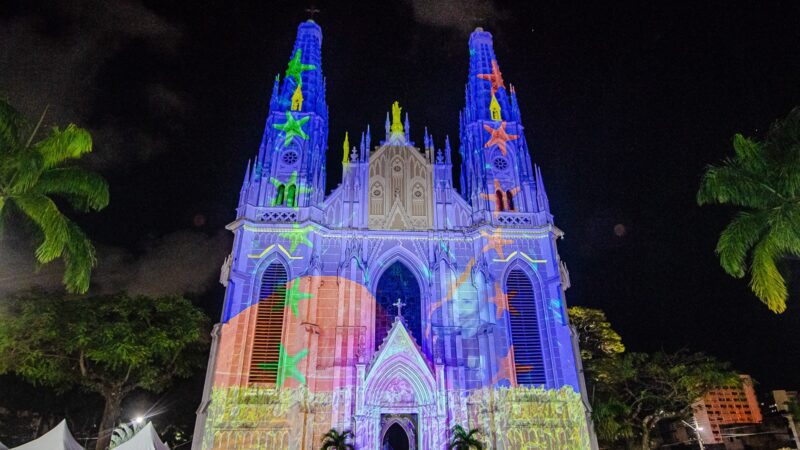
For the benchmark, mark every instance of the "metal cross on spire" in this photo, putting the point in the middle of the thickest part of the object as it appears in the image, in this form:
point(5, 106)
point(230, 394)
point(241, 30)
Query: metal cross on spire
point(399, 305)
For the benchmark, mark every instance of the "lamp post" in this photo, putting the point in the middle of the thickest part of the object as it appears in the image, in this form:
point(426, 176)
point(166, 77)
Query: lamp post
point(697, 429)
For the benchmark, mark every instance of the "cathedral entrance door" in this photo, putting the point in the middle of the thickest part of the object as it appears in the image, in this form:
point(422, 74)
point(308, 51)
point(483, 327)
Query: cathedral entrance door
point(398, 432)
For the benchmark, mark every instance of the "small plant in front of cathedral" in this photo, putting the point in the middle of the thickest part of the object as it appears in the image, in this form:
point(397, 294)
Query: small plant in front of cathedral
point(465, 440)
point(333, 440)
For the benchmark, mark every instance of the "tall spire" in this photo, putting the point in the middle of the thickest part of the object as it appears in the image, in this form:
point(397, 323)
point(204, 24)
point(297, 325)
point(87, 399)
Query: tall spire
point(303, 78)
point(485, 87)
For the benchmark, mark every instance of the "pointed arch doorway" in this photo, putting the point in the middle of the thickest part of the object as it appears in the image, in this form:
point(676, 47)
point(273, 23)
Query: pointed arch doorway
point(398, 432)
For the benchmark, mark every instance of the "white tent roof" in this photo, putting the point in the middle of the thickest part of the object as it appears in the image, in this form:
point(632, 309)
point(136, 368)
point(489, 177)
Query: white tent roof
point(145, 439)
point(59, 438)
point(3, 447)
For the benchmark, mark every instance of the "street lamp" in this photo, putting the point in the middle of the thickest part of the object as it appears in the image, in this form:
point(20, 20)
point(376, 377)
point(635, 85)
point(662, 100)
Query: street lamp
point(697, 429)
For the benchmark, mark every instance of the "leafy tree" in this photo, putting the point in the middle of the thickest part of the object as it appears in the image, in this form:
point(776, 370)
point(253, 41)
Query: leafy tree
point(109, 344)
point(636, 391)
point(337, 441)
point(762, 179)
point(595, 335)
point(32, 171)
point(465, 440)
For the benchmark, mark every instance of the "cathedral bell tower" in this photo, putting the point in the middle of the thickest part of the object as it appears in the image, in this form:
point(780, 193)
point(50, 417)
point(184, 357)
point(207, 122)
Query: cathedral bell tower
point(287, 179)
point(497, 175)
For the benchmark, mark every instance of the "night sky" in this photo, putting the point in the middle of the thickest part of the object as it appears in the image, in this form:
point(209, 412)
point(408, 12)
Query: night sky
point(624, 103)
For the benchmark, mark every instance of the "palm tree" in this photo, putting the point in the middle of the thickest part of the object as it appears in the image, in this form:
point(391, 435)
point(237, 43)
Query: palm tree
point(32, 171)
point(333, 440)
point(762, 179)
point(463, 440)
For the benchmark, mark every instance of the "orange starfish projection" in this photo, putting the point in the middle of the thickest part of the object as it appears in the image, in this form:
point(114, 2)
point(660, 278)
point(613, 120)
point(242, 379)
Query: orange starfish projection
point(499, 137)
point(496, 78)
point(502, 301)
point(496, 242)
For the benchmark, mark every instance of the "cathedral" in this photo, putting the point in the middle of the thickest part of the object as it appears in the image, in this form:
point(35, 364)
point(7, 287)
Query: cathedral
point(396, 306)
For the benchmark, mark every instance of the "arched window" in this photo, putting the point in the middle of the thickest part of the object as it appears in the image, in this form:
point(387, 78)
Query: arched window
point(510, 200)
point(525, 337)
point(279, 196)
point(397, 282)
point(290, 196)
point(499, 200)
point(269, 325)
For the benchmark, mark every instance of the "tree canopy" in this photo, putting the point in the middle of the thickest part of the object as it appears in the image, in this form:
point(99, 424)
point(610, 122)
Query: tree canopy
point(762, 180)
point(596, 338)
point(35, 167)
point(635, 391)
point(109, 344)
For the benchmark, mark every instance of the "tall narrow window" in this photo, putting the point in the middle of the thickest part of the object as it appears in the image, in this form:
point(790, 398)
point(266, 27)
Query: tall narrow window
point(290, 196)
point(510, 200)
point(279, 196)
point(499, 199)
point(525, 337)
point(269, 325)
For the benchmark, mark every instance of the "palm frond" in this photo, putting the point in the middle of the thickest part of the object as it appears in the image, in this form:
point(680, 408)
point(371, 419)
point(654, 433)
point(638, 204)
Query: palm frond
point(11, 124)
point(737, 239)
point(85, 189)
point(734, 185)
point(25, 167)
point(61, 145)
point(766, 280)
point(54, 226)
point(79, 259)
point(747, 150)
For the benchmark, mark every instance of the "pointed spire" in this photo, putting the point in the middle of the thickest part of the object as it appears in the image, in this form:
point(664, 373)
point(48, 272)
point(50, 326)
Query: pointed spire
point(274, 98)
point(485, 83)
point(515, 114)
point(367, 145)
point(246, 175)
point(387, 126)
point(346, 147)
point(541, 195)
point(407, 129)
point(447, 151)
point(304, 72)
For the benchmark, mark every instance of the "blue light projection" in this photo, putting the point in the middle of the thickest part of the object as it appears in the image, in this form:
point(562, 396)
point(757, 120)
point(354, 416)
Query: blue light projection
point(460, 293)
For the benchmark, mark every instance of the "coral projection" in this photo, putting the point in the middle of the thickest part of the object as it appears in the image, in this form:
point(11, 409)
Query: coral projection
point(395, 307)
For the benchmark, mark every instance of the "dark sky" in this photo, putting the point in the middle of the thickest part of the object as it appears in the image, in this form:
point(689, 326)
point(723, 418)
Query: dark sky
point(624, 104)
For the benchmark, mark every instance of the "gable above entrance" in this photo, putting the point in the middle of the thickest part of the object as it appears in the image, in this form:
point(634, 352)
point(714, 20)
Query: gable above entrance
point(399, 374)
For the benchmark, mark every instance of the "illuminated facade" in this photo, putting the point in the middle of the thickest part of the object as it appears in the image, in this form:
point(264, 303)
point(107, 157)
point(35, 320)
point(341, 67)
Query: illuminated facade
point(396, 306)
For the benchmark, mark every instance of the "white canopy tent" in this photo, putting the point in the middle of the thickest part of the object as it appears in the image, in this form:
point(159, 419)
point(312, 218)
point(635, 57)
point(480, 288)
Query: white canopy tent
point(59, 438)
point(145, 439)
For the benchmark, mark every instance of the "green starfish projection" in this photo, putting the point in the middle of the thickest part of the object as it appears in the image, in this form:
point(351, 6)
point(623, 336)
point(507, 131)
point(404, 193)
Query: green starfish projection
point(297, 235)
point(289, 365)
point(296, 68)
point(294, 296)
point(291, 128)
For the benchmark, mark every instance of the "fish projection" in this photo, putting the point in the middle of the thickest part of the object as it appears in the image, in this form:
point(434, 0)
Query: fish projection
point(397, 306)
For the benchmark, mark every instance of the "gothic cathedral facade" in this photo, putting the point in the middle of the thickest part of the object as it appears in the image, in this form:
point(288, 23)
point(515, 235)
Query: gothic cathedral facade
point(397, 306)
